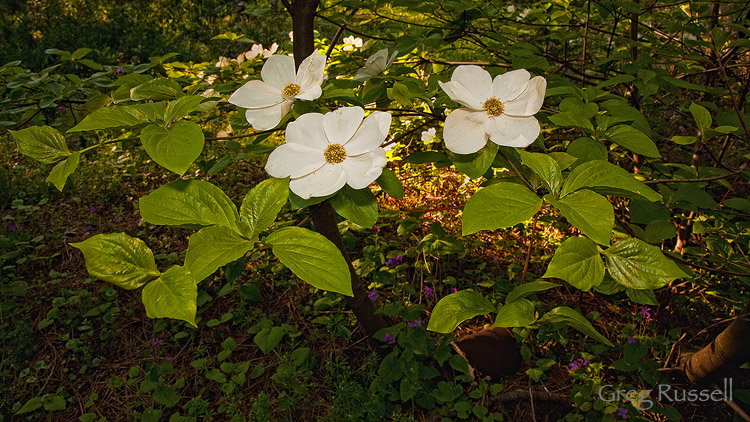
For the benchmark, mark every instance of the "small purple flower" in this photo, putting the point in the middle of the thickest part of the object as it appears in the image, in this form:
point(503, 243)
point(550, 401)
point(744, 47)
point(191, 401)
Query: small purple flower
point(167, 358)
point(373, 296)
point(495, 258)
point(428, 292)
point(22, 226)
point(62, 108)
point(622, 412)
point(232, 55)
point(394, 260)
point(521, 239)
point(117, 220)
point(389, 339)
point(632, 340)
point(9, 226)
point(376, 228)
point(118, 70)
point(454, 290)
point(89, 228)
point(578, 364)
point(646, 314)
point(119, 54)
point(95, 209)
point(415, 323)
point(156, 342)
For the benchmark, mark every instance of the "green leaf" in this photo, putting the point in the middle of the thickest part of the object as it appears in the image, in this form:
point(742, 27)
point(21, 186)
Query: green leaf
point(55, 403)
point(658, 231)
point(356, 205)
point(633, 139)
point(268, 338)
point(263, 203)
point(156, 90)
point(476, 164)
point(42, 143)
point(63, 169)
point(642, 297)
point(119, 259)
point(601, 174)
point(587, 149)
point(176, 148)
point(109, 117)
point(684, 140)
point(189, 203)
point(589, 212)
point(545, 167)
point(213, 247)
point(577, 261)
point(702, 117)
point(80, 53)
point(529, 289)
point(173, 295)
point(571, 119)
point(570, 317)
point(31, 405)
point(182, 107)
point(456, 308)
point(638, 265)
point(400, 93)
point(390, 184)
point(497, 206)
point(313, 258)
point(518, 313)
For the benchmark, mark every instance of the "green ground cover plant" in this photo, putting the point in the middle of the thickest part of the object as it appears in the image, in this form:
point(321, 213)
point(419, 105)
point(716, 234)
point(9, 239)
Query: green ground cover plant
point(207, 229)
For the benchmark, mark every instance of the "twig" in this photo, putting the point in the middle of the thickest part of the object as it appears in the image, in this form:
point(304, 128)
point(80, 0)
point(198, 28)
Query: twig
point(523, 179)
point(405, 134)
point(247, 135)
point(701, 267)
point(702, 179)
point(528, 250)
point(453, 207)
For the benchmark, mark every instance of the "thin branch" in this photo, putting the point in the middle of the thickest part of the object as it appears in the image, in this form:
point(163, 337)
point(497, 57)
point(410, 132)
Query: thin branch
point(703, 179)
point(247, 135)
point(453, 207)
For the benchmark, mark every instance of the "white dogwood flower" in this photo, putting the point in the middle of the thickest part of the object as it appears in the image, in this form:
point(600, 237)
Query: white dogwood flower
point(270, 99)
point(351, 43)
point(324, 152)
point(501, 109)
point(429, 135)
point(268, 53)
point(376, 64)
point(255, 51)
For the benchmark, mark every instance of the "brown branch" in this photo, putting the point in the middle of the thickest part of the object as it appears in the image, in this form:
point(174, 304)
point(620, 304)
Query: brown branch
point(702, 179)
point(247, 135)
point(452, 207)
point(528, 250)
point(701, 267)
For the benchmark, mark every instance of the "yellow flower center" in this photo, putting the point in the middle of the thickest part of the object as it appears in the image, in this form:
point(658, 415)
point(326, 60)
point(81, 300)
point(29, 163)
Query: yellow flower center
point(291, 89)
point(334, 153)
point(493, 106)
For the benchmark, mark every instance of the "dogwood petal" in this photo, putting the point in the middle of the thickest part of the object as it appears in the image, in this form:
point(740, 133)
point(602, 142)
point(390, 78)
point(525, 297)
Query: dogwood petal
point(269, 117)
point(510, 85)
point(310, 93)
point(371, 133)
point(310, 76)
point(364, 169)
point(461, 95)
point(322, 182)
point(530, 101)
point(341, 123)
point(464, 131)
point(278, 71)
point(308, 130)
point(294, 160)
point(513, 131)
point(256, 94)
point(475, 79)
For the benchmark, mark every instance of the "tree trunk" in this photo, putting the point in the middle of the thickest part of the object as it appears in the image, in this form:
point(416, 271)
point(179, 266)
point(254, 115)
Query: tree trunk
point(725, 354)
point(323, 216)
